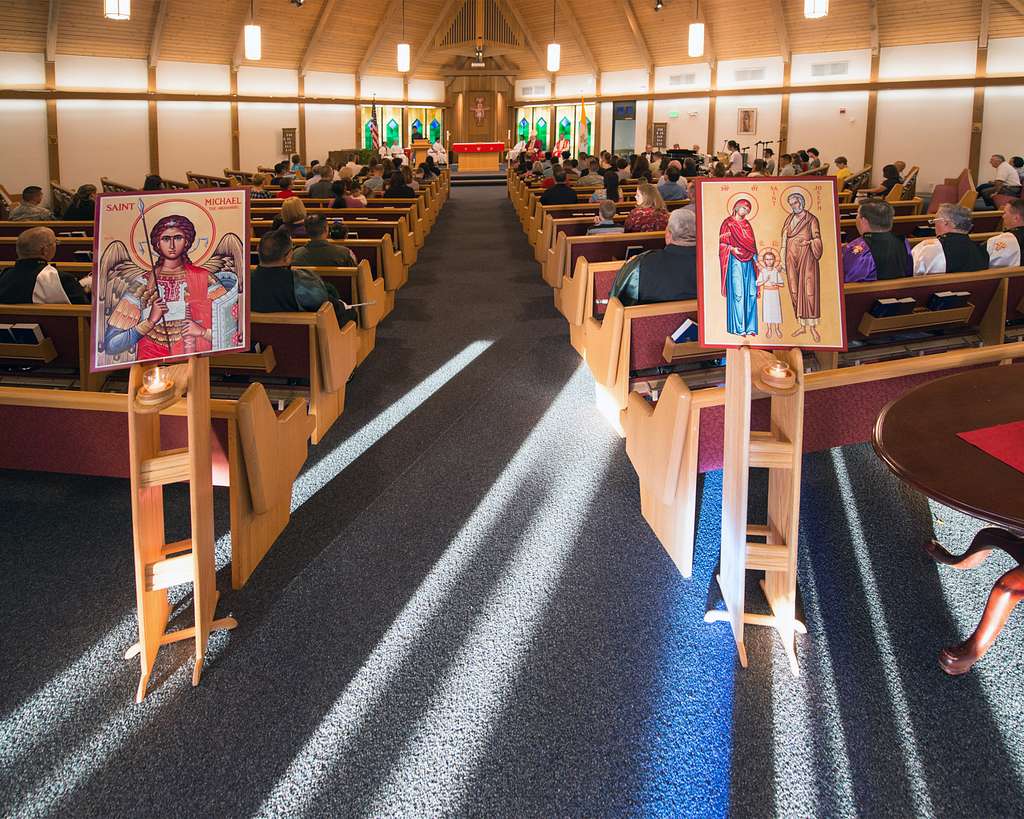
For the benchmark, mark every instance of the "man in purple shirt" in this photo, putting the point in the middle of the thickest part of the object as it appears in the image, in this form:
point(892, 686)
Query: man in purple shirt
point(876, 253)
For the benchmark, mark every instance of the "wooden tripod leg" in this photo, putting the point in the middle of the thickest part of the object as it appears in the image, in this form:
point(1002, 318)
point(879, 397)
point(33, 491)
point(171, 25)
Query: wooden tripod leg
point(1007, 592)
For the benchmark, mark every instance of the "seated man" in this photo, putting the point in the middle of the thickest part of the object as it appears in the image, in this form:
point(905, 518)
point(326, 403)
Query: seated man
point(319, 251)
point(559, 193)
point(33, 280)
point(670, 189)
point(1006, 180)
point(662, 275)
point(876, 253)
point(439, 154)
point(605, 222)
point(277, 287)
point(592, 178)
point(31, 209)
point(375, 181)
point(953, 250)
point(321, 188)
point(1004, 249)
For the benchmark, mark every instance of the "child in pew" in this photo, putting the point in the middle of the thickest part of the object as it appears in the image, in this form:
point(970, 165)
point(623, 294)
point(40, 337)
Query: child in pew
point(604, 222)
point(33, 280)
point(278, 287)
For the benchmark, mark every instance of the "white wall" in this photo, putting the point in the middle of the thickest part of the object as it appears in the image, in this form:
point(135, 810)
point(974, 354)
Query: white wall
point(627, 83)
point(859, 67)
point(178, 126)
point(640, 139)
point(19, 69)
point(664, 73)
point(101, 73)
point(769, 112)
point(387, 88)
point(536, 82)
point(930, 60)
point(690, 127)
point(773, 72)
point(23, 155)
point(259, 129)
point(103, 138)
point(268, 82)
point(927, 128)
point(575, 85)
point(197, 78)
point(1005, 55)
point(605, 113)
point(818, 121)
point(328, 84)
point(1004, 124)
point(426, 90)
point(329, 128)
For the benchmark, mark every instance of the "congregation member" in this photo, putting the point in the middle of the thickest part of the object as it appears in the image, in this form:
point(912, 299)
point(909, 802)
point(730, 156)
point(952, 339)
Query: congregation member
point(642, 170)
point(890, 179)
point(153, 182)
point(321, 189)
point(952, 250)
point(281, 173)
point(610, 190)
point(769, 161)
point(285, 191)
point(410, 180)
point(559, 193)
point(662, 275)
point(353, 194)
point(277, 287)
point(30, 208)
point(375, 181)
point(759, 168)
point(650, 213)
point(319, 251)
point(1006, 181)
point(842, 172)
point(877, 253)
point(803, 160)
point(813, 159)
point(900, 166)
point(605, 222)
point(428, 170)
point(622, 169)
point(32, 279)
point(735, 166)
point(1004, 250)
point(315, 173)
point(670, 189)
point(83, 205)
point(786, 165)
point(256, 190)
point(292, 217)
point(398, 189)
point(296, 166)
point(1018, 164)
point(592, 178)
point(549, 178)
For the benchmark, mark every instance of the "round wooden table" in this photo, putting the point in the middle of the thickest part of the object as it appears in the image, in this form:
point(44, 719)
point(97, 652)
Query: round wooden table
point(916, 436)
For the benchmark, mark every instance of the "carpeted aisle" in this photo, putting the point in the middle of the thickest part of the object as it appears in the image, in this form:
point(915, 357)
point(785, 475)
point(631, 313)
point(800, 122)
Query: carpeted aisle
point(468, 616)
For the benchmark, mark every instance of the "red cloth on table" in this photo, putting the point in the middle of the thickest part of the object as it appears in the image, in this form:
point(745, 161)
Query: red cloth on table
point(1003, 441)
point(478, 147)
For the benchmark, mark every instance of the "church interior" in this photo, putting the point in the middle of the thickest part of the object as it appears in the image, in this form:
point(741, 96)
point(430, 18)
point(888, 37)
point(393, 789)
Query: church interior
point(512, 408)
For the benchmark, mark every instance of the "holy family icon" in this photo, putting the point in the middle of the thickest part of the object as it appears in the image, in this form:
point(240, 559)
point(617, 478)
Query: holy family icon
point(770, 263)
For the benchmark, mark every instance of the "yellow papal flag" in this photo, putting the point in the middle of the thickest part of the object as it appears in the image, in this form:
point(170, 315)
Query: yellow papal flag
point(583, 126)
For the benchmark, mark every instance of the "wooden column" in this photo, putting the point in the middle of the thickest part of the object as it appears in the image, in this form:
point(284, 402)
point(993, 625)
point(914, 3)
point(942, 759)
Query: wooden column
point(978, 114)
point(787, 76)
point(302, 120)
point(712, 105)
point(869, 131)
point(359, 131)
point(649, 139)
point(597, 115)
point(52, 143)
point(236, 149)
point(154, 132)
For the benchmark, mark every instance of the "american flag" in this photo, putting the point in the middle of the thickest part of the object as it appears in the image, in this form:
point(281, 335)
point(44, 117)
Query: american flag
point(374, 128)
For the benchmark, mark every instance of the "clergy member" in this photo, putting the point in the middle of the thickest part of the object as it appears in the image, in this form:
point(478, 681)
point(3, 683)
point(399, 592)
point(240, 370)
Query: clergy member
point(1004, 249)
point(952, 250)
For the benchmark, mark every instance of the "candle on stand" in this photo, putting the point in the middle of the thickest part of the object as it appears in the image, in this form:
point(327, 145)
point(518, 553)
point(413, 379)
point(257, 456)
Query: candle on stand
point(156, 384)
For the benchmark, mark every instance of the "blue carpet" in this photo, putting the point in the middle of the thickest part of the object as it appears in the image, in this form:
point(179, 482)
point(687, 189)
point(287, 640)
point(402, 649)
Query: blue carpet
point(468, 616)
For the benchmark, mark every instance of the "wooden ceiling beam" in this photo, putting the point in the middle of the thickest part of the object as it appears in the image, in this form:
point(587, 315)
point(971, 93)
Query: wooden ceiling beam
point(873, 26)
point(443, 16)
point(781, 29)
point(625, 6)
point(159, 17)
point(316, 36)
point(1017, 4)
point(984, 23)
point(581, 41)
point(538, 54)
point(371, 49)
point(51, 30)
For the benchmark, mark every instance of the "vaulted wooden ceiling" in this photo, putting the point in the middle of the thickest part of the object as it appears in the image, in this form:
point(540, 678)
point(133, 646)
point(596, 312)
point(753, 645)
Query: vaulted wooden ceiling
point(354, 36)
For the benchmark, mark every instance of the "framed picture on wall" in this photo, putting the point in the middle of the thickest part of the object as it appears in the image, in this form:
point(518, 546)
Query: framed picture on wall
point(746, 121)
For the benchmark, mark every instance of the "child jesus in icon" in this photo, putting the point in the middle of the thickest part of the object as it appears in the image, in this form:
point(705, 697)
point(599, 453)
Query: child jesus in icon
point(770, 282)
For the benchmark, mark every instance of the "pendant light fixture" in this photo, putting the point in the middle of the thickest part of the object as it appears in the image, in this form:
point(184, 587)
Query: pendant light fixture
point(117, 9)
point(695, 41)
point(253, 35)
point(813, 9)
point(554, 49)
point(403, 47)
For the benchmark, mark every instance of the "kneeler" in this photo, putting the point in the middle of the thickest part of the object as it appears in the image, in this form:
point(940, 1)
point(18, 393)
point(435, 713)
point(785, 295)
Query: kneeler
point(160, 565)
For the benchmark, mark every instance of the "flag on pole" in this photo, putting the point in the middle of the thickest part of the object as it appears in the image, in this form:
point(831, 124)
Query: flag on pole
point(584, 126)
point(374, 128)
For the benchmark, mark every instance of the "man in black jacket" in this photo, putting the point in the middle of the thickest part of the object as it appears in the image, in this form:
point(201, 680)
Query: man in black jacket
point(559, 193)
point(33, 278)
point(662, 275)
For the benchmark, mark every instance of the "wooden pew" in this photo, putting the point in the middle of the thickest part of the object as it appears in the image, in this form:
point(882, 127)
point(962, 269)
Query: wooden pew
point(985, 221)
point(263, 209)
point(960, 191)
point(67, 331)
point(204, 180)
point(601, 248)
point(256, 454)
point(900, 207)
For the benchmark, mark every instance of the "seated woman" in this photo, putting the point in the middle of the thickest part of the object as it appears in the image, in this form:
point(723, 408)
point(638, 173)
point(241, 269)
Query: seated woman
point(650, 213)
point(410, 180)
point(257, 191)
point(610, 190)
point(153, 183)
point(83, 205)
point(292, 218)
point(642, 170)
point(428, 170)
point(890, 179)
point(397, 189)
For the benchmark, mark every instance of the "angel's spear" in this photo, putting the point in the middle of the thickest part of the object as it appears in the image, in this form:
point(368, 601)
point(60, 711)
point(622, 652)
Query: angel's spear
point(152, 273)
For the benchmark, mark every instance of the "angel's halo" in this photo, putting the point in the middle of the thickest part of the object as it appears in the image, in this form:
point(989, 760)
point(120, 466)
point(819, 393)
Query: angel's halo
point(202, 220)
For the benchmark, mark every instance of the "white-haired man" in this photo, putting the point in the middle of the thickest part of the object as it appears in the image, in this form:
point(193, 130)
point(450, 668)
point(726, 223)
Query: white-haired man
point(662, 275)
point(952, 250)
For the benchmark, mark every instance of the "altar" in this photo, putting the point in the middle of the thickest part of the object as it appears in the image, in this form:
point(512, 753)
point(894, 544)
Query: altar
point(478, 156)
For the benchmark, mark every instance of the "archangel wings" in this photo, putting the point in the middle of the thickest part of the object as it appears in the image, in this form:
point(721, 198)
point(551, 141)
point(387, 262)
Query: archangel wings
point(228, 263)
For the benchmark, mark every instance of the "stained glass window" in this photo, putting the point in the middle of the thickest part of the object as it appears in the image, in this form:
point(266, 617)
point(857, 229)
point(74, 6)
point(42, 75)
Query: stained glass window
point(435, 130)
point(417, 126)
point(542, 130)
point(391, 133)
point(367, 138)
point(524, 128)
point(564, 128)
